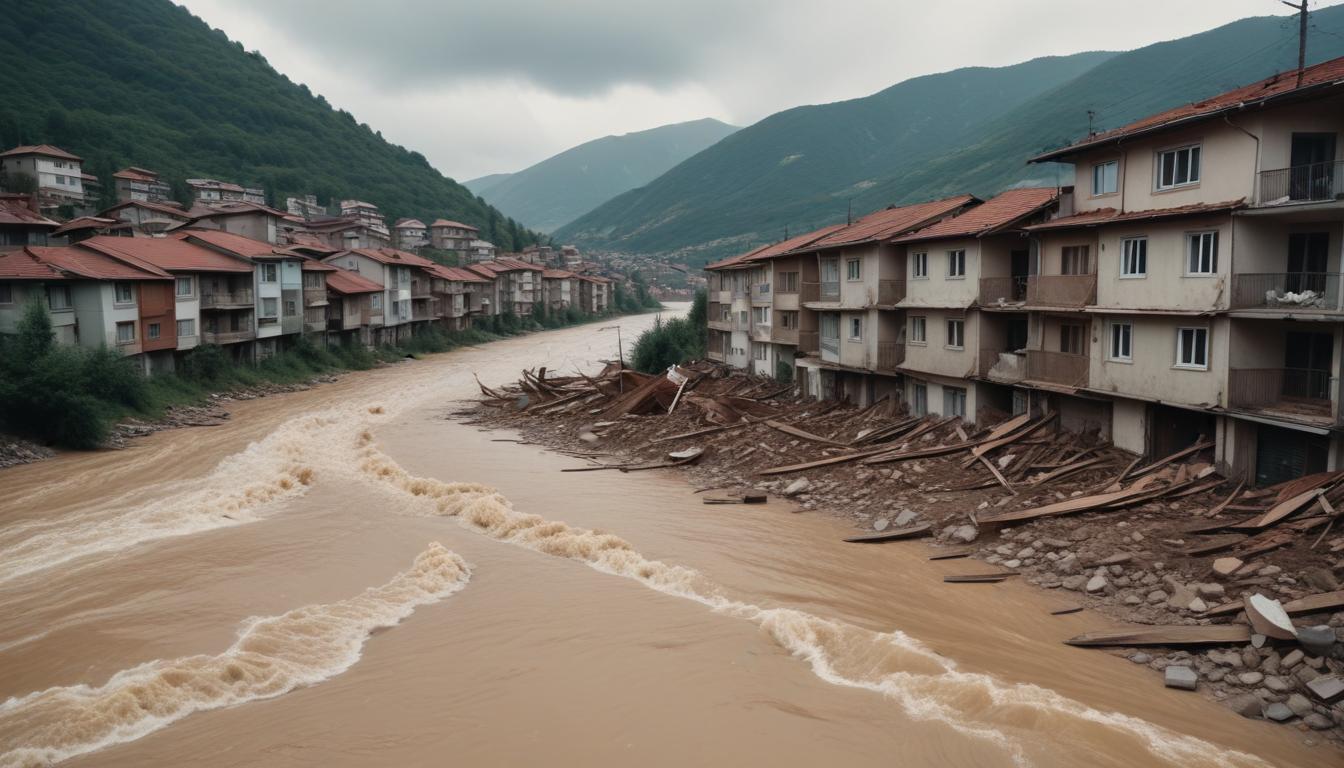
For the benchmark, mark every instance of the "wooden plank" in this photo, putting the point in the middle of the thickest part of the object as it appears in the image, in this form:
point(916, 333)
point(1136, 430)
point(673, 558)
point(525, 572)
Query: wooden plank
point(1216, 544)
point(1068, 506)
point(1317, 603)
point(1223, 504)
point(1068, 469)
point(1140, 636)
point(1305, 483)
point(993, 470)
point(956, 554)
point(798, 433)
point(1065, 611)
point(914, 531)
point(978, 578)
point(824, 462)
point(699, 432)
point(1160, 463)
point(1284, 509)
point(887, 456)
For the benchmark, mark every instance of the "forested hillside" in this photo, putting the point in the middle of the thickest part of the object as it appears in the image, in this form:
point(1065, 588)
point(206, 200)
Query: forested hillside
point(144, 82)
point(969, 130)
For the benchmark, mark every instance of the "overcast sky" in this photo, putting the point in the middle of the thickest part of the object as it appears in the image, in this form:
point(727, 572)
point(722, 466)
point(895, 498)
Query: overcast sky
point(482, 86)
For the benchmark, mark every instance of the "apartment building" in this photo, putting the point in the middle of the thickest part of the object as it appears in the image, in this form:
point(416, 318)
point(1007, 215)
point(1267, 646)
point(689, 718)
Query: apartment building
point(391, 311)
point(245, 219)
point(316, 298)
point(22, 223)
point(343, 234)
point(518, 284)
point(481, 250)
point(55, 174)
point(448, 235)
point(148, 218)
point(410, 234)
point(457, 293)
point(350, 308)
point(141, 184)
point(211, 191)
point(594, 294)
point(84, 227)
point(305, 207)
point(558, 289)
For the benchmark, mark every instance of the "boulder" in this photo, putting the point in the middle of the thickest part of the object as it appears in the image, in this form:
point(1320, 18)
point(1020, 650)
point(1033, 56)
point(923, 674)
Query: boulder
point(1226, 566)
point(1250, 678)
point(906, 517)
point(1245, 704)
point(1183, 678)
point(1278, 712)
point(1157, 596)
point(1277, 684)
point(1317, 640)
point(1318, 722)
point(1299, 704)
point(965, 533)
point(1097, 583)
point(1327, 688)
point(1211, 590)
point(1292, 659)
point(797, 486)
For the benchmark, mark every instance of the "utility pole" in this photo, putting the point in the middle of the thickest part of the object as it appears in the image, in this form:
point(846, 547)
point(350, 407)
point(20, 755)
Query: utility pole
point(1091, 114)
point(1301, 36)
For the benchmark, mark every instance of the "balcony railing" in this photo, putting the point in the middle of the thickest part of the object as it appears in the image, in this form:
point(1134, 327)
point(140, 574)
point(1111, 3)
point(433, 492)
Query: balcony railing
point(715, 354)
point(1302, 183)
point(810, 292)
point(890, 355)
point(739, 292)
point(1005, 289)
point(1057, 367)
point(1062, 290)
point(809, 342)
point(890, 292)
point(830, 290)
point(760, 292)
point(1286, 290)
point(760, 332)
point(241, 297)
point(1303, 391)
point(227, 337)
point(781, 335)
point(1010, 367)
point(831, 345)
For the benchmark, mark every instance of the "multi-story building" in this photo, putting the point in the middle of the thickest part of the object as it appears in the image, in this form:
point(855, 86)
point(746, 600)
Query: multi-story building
point(55, 174)
point(316, 297)
point(447, 235)
point(410, 234)
point(558, 289)
point(454, 289)
point(211, 191)
point(518, 284)
point(350, 313)
point(22, 223)
point(594, 294)
point(366, 214)
point(344, 234)
point(305, 207)
point(250, 220)
point(392, 311)
point(148, 218)
point(141, 184)
point(482, 250)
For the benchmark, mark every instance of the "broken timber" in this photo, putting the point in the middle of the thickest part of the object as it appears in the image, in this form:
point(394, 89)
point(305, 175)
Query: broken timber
point(914, 531)
point(1210, 635)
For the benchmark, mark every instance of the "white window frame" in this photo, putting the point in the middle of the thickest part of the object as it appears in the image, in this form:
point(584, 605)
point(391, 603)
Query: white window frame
point(919, 266)
point(126, 324)
point(954, 396)
point(919, 399)
point(1207, 263)
point(1134, 266)
point(854, 324)
point(1194, 166)
point(63, 291)
point(1120, 343)
point(191, 287)
point(269, 273)
point(959, 324)
point(1099, 173)
point(1196, 333)
point(956, 264)
point(189, 329)
point(919, 330)
point(117, 288)
point(853, 270)
point(273, 312)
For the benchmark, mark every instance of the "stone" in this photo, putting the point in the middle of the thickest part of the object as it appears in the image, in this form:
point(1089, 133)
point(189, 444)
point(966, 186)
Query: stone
point(1318, 722)
point(1250, 678)
point(881, 524)
point(906, 517)
point(1291, 660)
point(1198, 606)
point(1225, 658)
point(1183, 678)
point(1012, 564)
point(1097, 583)
point(1299, 704)
point(1250, 658)
point(1258, 641)
point(1025, 553)
point(1327, 688)
point(1270, 570)
point(1226, 566)
point(1210, 590)
point(1277, 684)
point(797, 486)
point(1316, 640)
point(1132, 600)
point(1141, 658)
point(965, 533)
point(1157, 596)
point(1074, 582)
point(1245, 704)
point(1278, 712)
point(1067, 564)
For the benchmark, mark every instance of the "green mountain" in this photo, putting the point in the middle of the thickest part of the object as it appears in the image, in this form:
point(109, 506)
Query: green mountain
point(969, 130)
point(563, 187)
point(151, 85)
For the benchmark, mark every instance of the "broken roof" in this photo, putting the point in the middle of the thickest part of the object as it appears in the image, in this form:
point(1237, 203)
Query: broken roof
point(1282, 86)
point(347, 282)
point(46, 150)
point(892, 222)
point(172, 254)
point(1111, 215)
point(450, 223)
point(95, 265)
point(14, 210)
point(994, 215)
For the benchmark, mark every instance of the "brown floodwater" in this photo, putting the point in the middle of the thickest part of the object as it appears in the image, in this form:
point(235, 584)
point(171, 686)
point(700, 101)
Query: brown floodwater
point(345, 576)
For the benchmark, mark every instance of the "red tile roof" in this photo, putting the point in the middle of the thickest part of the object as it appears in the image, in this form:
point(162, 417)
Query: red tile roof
point(792, 244)
point(457, 274)
point(449, 223)
point(1327, 74)
point(557, 274)
point(172, 254)
point(392, 256)
point(992, 216)
point(347, 282)
point(46, 150)
point(21, 265)
point(892, 222)
point(409, 224)
point(14, 210)
point(313, 265)
point(236, 244)
point(90, 222)
point(233, 208)
point(91, 264)
point(164, 208)
point(1111, 215)
point(738, 260)
point(136, 174)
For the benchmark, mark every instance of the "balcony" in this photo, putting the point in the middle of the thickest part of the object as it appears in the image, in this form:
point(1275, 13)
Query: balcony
point(830, 346)
point(227, 337)
point(760, 292)
point(760, 332)
point(890, 355)
point(715, 354)
point(1007, 290)
point(830, 290)
point(781, 335)
point(809, 342)
point(1286, 291)
point(890, 292)
point(1317, 182)
point(237, 299)
point(314, 297)
point(1300, 393)
point(1061, 290)
point(1001, 365)
point(810, 292)
point(1058, 367)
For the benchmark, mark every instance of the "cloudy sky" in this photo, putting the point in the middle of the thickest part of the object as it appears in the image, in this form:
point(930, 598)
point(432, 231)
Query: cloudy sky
point(481, 86)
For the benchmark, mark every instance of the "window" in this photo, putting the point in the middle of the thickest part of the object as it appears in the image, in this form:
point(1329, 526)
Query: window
point(125, 294)
point(830, 326)
point(376, 302)
point(291, 308)
point(919, 405)
point(919, 265)
point(1105, 177)
point(954, 401)
point(956, 263)
point(58, 297)
point(269, 307)
point(1192, 348)
point(183, 286)
point(126, 333)
point(759, 351)
point(1019, 402)
point(830, 271)
point(956, 334)
point(856, 329)
point(6, 293)
point(760, 315)
point(1134, 257)
point(1178, 167)
point(787, 282)
point(1071, 338)
point(1073, 260)
point(186, 328)
point(153, 331)
point(1202, 253)
point(268, 272)
point(1122, 335)
point(853, 269)
point(312, 279)
point(918, 330)
point(788, 320)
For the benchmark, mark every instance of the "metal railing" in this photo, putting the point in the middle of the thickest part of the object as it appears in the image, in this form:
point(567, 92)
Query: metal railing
point(241, 297)
point(1008, 289)
point(831, 345)
point(830, 289)
point(1062, 290)
point(781, 335)
point(760, 332)
point(1286, 290)
point(227, 337)
point(809, 342)
point(760, 291)
point(810, 292)
point(1057, 367)
point(890, 355)
point(890, 292)
point(1302, 183)
point(1299, 389)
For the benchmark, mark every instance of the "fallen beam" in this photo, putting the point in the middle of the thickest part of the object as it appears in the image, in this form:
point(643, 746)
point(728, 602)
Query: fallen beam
point(1209, 635)
point(898, 534)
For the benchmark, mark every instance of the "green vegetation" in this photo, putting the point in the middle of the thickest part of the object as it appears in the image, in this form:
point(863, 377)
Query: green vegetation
point(152, 85)
point(970, 130)
point(561, 188)
point(673, 341)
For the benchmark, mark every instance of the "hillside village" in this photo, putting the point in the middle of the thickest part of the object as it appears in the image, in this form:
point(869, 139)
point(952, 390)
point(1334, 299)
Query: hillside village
point(154, 279)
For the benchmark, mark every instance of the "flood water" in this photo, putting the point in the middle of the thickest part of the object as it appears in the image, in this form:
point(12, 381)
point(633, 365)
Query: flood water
point(345, 576)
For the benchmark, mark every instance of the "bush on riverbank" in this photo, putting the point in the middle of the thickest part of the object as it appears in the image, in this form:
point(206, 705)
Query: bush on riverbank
point(672, 341)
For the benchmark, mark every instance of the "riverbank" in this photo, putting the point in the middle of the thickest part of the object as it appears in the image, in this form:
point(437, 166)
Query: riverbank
point(1142, 566)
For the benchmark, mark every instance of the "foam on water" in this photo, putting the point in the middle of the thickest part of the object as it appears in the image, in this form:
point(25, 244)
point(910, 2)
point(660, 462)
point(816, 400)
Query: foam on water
point(272, 656)
point(927, 686)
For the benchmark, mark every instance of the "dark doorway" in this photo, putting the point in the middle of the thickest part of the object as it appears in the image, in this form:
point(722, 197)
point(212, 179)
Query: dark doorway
point(1171, 429)
point(1307, 360)
point(1285, 454)
point(1019, 267)
point(1016, 333)
point(1313, 166)
point(1308, 257)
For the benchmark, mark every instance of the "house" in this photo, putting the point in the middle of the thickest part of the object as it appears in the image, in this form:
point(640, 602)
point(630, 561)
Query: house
point(458, 293)
point(559, 289)
point(517, 284)
point(305, 207)
point(344, 234)
point(278, 285)
point(366, 214)
point(211, 191)
point(21, 223)
point(410, 234)
point(392, 311)
point(246, 219)
point(25, 280)
point(447, 235)
point(316, 297)
point(84, 227)
point(481, 250)
point(350, 313)
point(594, 294)
point(56, 176)
point(148, 218)
point(141, 184)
